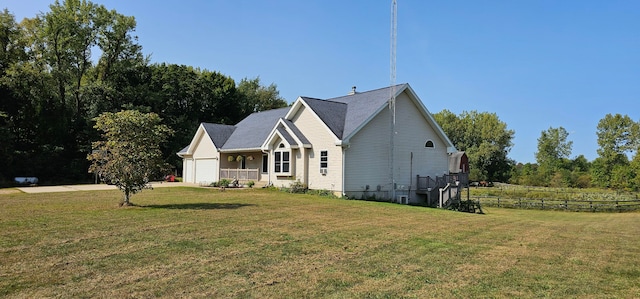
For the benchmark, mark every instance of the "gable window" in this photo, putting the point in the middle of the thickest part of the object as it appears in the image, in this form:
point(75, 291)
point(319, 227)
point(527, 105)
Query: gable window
point(324, 161)
point(429, 144)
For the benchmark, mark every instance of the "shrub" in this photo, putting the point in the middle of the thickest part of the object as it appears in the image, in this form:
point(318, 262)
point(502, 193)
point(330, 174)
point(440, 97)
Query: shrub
point(297, 187)
point(251, 184)
point(224, 183)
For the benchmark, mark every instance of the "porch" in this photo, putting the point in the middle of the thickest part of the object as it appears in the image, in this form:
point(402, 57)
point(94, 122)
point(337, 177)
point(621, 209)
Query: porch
point(242, 175)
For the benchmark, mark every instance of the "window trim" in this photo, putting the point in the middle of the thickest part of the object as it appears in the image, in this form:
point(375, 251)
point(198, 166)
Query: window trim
point(280, 164)
point(324, 159)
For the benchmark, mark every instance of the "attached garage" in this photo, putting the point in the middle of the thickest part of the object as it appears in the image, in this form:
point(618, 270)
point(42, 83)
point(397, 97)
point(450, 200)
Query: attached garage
point(206, 170)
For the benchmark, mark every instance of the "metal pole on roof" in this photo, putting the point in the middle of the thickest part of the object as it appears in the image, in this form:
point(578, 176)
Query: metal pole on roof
point(392, 97)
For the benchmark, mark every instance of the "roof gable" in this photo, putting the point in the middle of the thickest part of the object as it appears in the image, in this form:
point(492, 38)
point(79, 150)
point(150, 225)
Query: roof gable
point(333, 114)
point(218, 133)
point(286, 131)
point(363, 106)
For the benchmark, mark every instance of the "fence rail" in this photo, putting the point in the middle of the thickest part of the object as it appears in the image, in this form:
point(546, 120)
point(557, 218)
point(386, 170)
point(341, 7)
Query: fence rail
point(560, 204)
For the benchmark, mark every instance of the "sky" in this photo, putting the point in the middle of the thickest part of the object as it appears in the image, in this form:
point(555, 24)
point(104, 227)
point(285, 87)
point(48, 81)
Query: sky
point(535, 63)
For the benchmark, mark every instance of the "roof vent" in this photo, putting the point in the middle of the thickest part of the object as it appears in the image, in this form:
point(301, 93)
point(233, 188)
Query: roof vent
point(353, 91)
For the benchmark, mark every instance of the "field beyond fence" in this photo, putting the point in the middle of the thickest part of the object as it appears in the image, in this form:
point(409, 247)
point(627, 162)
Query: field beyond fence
point(543, 198)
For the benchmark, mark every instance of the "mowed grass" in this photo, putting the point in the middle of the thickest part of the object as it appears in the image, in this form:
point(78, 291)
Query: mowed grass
point(196, 242)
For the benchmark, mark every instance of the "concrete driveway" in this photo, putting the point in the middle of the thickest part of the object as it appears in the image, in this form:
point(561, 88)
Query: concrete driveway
point(95, 187)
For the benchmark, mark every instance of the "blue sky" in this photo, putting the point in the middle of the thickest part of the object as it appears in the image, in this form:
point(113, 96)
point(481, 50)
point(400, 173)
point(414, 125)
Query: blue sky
point(535, 63)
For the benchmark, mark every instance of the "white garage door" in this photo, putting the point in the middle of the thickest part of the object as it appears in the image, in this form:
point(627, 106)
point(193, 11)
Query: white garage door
point(206, 170)
point(187, 171)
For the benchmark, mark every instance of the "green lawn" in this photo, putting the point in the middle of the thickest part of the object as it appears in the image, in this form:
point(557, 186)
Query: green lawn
point(194, 242)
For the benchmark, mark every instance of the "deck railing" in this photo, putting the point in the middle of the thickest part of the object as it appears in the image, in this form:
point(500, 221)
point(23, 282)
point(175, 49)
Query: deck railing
point(430, 183)
point(240, 174)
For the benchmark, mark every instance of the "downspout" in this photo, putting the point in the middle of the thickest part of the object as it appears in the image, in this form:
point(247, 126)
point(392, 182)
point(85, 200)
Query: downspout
point(344, 157)
point(410, 177)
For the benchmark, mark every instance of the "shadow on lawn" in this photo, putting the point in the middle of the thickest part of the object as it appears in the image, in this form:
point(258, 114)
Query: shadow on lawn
point(201, 206)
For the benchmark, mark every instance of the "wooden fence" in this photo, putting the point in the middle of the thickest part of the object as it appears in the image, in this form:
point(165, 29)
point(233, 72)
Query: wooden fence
point(559, 204)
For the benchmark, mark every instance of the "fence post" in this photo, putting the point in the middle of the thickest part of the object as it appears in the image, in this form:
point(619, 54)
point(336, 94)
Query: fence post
point(498, 201)
point(542, 203)
point(566, 205)
point(520, 202)
point(591, 205)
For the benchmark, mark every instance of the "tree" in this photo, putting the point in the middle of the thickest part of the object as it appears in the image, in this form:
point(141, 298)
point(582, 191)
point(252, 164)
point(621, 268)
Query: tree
point(129, 155)
point(617, 134)
point(618, 137)
point(484, 138)
point(553, 147)
point(553, 153)
point(255, 97)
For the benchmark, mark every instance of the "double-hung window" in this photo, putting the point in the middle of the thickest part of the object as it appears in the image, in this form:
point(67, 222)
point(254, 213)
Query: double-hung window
point(282, 161)
point(324, 159)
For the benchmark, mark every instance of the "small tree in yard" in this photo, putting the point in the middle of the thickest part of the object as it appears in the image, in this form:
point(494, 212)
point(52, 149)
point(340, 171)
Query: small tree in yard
point(129, 154)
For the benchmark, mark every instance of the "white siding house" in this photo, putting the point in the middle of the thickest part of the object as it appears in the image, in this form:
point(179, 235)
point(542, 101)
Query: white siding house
point(349, 145)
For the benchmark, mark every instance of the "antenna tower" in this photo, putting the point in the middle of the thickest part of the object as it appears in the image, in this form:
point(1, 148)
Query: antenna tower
point(392, 97)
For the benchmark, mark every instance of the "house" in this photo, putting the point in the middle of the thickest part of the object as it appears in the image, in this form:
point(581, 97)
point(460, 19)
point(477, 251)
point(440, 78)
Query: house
point(351, 145)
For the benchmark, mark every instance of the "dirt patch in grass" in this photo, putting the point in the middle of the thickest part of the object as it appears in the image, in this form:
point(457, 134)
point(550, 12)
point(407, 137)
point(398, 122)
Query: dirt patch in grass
point(9, 191)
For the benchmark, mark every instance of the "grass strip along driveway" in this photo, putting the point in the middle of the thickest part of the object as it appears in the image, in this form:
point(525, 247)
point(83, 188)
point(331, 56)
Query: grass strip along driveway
point(198, 242)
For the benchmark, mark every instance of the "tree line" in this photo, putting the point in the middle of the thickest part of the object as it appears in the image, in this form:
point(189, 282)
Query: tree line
point(487, 142)
point(53, 85)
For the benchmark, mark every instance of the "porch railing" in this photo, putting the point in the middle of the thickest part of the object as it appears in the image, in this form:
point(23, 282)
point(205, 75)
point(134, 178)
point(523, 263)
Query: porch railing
point(240, 174)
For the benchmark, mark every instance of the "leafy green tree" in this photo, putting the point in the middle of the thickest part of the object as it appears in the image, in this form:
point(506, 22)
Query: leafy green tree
point(553, 147)
point(618, 137)
point(617, 134)
point(129, 154)
point(552, 155)
point(255, 97)
point(485, 139)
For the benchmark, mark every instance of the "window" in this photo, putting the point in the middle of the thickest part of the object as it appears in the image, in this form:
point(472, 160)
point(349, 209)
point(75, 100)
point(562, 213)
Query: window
point(265, 163)
point(324, 161)
point(282, 162)
point(278, 164)
point(429, 144)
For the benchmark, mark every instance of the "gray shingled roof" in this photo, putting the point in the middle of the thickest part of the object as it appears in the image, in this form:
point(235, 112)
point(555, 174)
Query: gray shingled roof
point(219, 133)
point(332, 113)
point(359, 108)
point(296, 132)
point(343, 115)
point(252, 131)
point(184, 150)
point(287, 137)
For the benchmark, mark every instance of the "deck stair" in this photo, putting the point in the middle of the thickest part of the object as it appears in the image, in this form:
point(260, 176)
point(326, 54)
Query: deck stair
point(446, 192)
